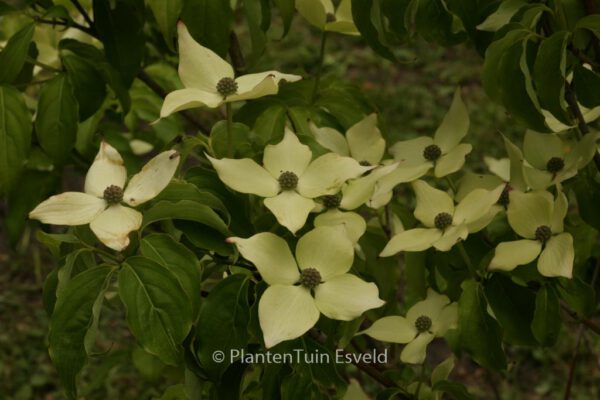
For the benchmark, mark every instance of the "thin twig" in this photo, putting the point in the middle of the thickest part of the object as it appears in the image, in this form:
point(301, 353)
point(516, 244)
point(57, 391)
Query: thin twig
point(84, 13)
point(68, 24)
point(236, 55)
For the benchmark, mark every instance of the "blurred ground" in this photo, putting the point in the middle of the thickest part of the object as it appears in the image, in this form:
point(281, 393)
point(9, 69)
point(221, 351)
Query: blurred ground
point(412, 98)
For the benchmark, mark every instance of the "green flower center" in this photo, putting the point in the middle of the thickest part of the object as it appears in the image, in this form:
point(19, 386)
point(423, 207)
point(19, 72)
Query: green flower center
point(504, 196)
point(432, 152)
point(332, 200)
point(227, 87)
point(555, 164)
point(310, 278)
point(442, 221)
point(113, 194)
point(423, 323)
point(330, 18)
point(365, 163)
point(543, 233)
point(288, 180)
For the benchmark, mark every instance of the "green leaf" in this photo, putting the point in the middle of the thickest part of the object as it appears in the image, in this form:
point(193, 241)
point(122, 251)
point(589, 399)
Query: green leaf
point(269, 126)
point(507, 78)
point(56, 119)
point(187, 210)
point(513, 307)
point(361, 14)
point(209, 23)
point(479, 333)
point(257, 15)
point(13, 57)
point(586, 83)
point(15, 136)
point(158, 311)
point(550, 74)
point(120, 26)
point(415, 272)
point(546, 320)
point(579, 295)
point(434, 22)
point(88, 84)
point(219, 140)
point(179, 260)
point(224, 319)
point(502, 16)
point(587, 192)
point(286, 10)
point(590, 23)
point(166, 14)
point(70, 322)
point(454, 390)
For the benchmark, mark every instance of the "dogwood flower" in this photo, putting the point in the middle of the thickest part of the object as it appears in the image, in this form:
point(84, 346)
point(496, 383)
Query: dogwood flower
point(323, 15)
point(210, 81)
point(105, 190)
point(289, 180)
point(551, 160)
point(444, 223)
point(537, 217)
point(301, 288)
point(424, 321)
point(444, 153)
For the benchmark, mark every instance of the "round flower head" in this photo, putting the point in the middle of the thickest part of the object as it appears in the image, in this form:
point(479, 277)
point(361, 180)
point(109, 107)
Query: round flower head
point(445, 223)
point(316, 281)
point(288, 179)
point(537, 217)
point(416, 157)
point(105, 190)
point(210, 81)
point(323, 15)
point(426, 320)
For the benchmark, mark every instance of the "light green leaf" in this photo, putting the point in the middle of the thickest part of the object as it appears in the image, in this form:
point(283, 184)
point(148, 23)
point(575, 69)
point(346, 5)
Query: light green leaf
point(14, 54)
point(166, 14)
point(158, 311)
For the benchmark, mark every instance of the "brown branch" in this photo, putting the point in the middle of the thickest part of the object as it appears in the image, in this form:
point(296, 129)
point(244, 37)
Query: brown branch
point(591, 324)
point(84, 13)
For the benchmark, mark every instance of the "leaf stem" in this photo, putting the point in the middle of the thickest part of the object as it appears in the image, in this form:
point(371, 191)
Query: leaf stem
point(229, 129)
point(466, 259)
point(319, 67)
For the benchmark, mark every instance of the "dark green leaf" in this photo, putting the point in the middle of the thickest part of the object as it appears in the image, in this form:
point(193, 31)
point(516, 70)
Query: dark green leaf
point(15, 136)
point(70, 322)
point(587, 192)
point(587, 86)
point(549, 74)
point(578, 295)
point(286, 10)
point(158, 311)
point(56, 119)
point(88, 84)
point(255, 16)
point(179, 260)
point(513, 307)
point(120, 26)
point(13, 57)
point(434, 22)
point(240, 143)
point(479, 333)
point(224, 319)
point(209, 23)
point(166, 14)
point(546, 320)
point(591, 23)
point(186, 210)
point(454, 390)
point(361, 14)
point(269, 126)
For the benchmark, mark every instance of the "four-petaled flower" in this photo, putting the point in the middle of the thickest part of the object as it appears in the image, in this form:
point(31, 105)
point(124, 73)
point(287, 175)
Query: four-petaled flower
point(537, 217)
point(426, 320)
point(444, 153)
point(100, 205)
point(289, 179)
point(315, 281)
point(444, 223)
point(210, 81)
point(323, 15)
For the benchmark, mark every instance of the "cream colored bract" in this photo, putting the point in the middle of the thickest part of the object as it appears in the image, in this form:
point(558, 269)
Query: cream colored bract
point(323, 15)
point(110, 222)
point(201, 70)
point(288, 309)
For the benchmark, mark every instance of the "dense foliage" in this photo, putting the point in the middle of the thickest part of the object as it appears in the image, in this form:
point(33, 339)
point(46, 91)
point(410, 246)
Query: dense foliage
point(295, 224)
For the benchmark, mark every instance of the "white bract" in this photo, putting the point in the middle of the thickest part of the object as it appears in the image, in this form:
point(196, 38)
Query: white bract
point(210, 81)
point(444, 153)
point(538, 218)
point(289, 179)
point(100, 205)
point(445, 223)
point(323, 15)
point(426, 320)
point(301, 288)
